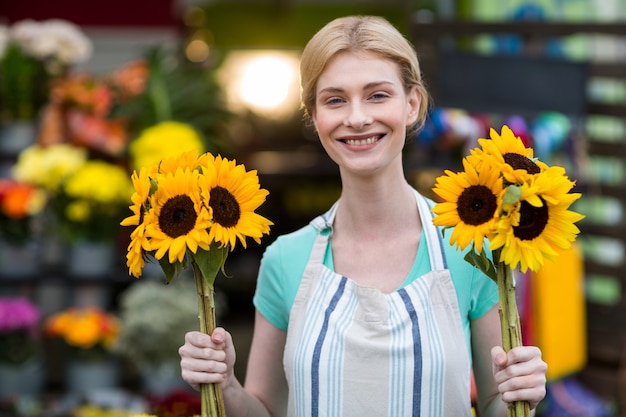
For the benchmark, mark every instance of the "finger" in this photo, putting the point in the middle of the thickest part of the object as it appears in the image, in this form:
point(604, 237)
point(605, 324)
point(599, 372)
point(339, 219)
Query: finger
point(523, 354)
point(198, 339)
point(499, 357)
point(532, 395)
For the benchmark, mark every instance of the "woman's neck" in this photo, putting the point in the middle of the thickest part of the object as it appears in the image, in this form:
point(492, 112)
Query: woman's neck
point(372, 207)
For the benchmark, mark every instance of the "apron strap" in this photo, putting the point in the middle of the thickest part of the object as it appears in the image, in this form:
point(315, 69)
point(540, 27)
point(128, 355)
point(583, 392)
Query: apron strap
point(433, 236)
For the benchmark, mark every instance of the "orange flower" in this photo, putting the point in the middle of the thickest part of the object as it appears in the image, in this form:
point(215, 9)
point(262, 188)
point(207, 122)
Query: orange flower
point(18, 201)
point(84, 327)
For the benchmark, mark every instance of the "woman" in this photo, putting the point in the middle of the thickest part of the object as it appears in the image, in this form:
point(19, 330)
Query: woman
point(364, 311)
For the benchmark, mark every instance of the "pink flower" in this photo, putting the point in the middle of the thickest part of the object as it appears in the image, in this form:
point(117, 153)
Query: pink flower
point(17, 314)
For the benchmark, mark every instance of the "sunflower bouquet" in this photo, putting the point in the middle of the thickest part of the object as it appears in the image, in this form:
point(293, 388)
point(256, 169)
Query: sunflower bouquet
point(514, 205)
point(192, 209)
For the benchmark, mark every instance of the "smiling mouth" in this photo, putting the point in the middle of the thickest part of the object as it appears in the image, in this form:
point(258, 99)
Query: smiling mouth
point(361, 142)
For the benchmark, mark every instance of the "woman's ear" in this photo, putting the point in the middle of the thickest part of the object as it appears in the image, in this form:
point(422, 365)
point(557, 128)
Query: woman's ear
point(413, 102)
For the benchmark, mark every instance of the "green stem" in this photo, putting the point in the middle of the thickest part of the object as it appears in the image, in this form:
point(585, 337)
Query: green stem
point(510, 322)
point(212, 402)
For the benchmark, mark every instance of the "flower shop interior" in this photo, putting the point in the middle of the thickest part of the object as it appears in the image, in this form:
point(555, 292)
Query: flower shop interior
point(89, 94)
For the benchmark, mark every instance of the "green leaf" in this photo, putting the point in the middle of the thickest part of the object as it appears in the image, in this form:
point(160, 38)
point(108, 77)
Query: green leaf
point(512, 195)
point(482, 262)
point(171, 271)
point(211, 262)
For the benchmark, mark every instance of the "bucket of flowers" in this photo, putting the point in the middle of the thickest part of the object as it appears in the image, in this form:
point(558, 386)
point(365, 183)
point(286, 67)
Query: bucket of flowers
point(90, 204)
point(155, 318)
point(20, 204)
point(86, 336)
point(33, 54)
point(21, 368)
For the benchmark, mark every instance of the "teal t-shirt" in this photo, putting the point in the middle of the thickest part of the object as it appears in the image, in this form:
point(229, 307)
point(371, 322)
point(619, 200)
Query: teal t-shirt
point(284, 261)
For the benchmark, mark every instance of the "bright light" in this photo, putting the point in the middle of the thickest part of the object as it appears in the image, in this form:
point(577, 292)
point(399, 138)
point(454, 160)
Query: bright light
point(264, 82)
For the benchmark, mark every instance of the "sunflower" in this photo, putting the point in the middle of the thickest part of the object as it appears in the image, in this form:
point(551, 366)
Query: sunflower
point(508, 150)
point(138, 243)
point(532, 228)
point(233, 194)
point(178, 220)
point(471, 199)
point(187, 159)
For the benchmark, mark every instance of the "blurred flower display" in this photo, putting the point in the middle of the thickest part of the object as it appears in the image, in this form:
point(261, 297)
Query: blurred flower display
point(32, 53)
point(19, 328)
point(89, 332)
point(92, 201)
point(20, 203)
point(163, 140)
point(48, 166)
point(155, 318)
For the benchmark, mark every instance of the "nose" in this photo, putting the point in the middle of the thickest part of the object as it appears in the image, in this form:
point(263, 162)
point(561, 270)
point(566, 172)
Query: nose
point(357, 117)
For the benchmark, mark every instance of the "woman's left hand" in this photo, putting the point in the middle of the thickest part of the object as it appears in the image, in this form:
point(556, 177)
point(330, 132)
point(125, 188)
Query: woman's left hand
point(520, 374)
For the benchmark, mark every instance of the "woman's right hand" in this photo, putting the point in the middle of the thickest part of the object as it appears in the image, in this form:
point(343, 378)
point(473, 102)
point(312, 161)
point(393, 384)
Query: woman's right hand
point(207, 359)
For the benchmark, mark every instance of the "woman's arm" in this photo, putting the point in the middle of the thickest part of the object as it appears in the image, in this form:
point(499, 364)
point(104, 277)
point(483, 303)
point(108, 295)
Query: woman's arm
point(211, 359)
point(500, 378)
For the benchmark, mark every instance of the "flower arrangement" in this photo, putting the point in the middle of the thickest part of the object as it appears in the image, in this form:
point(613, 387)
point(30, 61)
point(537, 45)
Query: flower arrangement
point(89, 332)
point(162, 140)
point(31, 54)
point(510, 203)
point(47, 167)
point(154, 320)
point(19, 326)
point(20, 203)
point(92, 201)
point(79, 112)
point(192, 209)
point(89, 197)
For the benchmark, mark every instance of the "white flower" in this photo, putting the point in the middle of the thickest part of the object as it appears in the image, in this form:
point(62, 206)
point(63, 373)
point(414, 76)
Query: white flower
point(71, 44)
point(27, 34)
point(53, 39)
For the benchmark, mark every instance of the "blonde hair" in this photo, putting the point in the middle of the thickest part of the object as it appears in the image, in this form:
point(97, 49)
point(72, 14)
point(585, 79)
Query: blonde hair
point(354, 34)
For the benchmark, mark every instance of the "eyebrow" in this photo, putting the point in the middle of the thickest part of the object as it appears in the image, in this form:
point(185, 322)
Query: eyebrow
point(367, 86)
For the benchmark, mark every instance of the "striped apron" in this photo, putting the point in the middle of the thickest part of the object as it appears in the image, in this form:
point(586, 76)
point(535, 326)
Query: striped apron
point(353, 351)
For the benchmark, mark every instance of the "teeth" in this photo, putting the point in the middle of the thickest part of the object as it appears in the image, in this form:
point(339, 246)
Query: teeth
point(357, 142)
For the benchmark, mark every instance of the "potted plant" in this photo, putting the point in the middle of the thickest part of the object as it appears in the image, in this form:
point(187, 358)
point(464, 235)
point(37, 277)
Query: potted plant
point(20, 204)
point(32, 54)
point(86, 335)
point(21, 368)
point(155, 318)
point(90, 205)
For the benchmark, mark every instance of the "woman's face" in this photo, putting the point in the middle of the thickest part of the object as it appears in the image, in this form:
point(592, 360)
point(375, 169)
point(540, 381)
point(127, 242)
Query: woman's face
point(362, 111)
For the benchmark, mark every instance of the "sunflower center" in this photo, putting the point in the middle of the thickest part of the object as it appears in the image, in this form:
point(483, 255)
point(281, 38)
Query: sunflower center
point(226, 210)
point(532, 221)
point(476, 205)
point(518, 161)
point(178, 216)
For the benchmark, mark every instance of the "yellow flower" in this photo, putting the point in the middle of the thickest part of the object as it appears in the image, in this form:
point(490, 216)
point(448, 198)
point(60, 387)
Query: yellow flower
point(177, 220)
point(186, 160)
point(515, 160)
point(470, 202)
point(233, 194)
point(78, 211)
point(48, 166)
point(100, 182)
point(138, 241)
point(531, 228)
point(163, 140)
